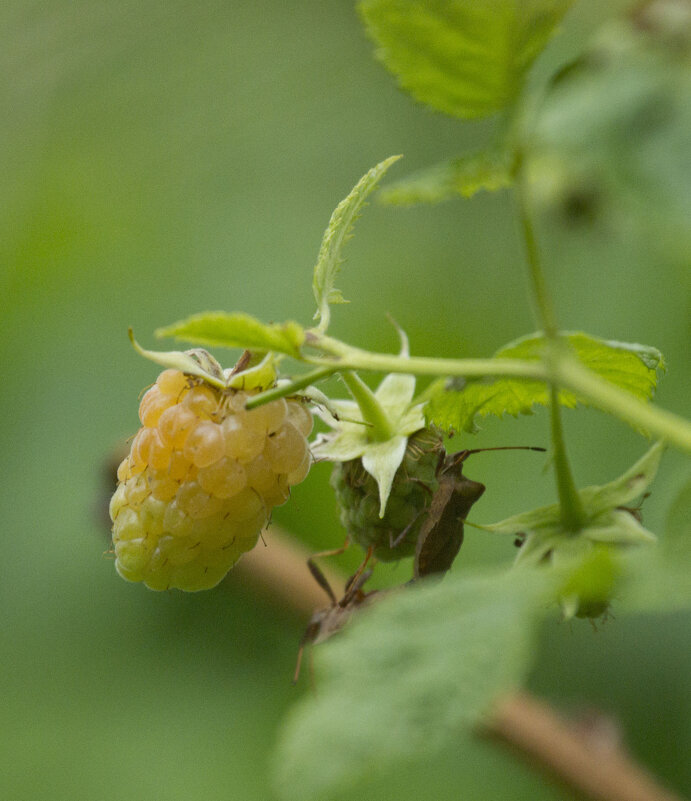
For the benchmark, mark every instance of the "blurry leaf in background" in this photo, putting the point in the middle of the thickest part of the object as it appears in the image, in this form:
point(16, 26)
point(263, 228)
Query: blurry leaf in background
point(612, 142)
point(467, 58)
point(629, 366)
point(487, 170)
point(414, 671)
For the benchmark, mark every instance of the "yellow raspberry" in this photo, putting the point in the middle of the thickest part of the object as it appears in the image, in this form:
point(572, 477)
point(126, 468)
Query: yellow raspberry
point(201, 479)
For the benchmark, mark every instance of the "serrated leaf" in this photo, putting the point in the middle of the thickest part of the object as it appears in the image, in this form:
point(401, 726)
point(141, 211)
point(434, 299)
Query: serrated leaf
point(467, 58)
point(630, 366)
point(336, 235)
point(406, 677)
point(237, 330)
point(488, 170)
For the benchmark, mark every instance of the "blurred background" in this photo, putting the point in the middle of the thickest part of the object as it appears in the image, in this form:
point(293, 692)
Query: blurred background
point(164, 158)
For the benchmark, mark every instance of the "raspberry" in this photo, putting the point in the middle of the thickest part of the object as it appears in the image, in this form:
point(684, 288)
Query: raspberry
point(393, 536)
point(201, 478)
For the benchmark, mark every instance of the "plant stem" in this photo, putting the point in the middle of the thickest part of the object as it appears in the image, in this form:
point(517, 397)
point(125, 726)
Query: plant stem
point(352, 358)
point(372, 412)
point(571, 508)
point(567, 373)
point(572, 512)
point(290, 387)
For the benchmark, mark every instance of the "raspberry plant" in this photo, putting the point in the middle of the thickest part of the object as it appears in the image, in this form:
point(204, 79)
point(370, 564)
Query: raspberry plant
point(218, 449)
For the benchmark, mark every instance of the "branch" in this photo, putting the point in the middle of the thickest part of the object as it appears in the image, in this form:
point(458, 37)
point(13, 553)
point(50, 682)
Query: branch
point(599, 768)
point(526, 724)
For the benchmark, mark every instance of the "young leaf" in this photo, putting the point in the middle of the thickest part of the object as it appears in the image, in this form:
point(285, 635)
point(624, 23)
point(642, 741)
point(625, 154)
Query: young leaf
point(336, 235)
point(406, 677)
point(488, 170)
point(237, 330)
point(464, 58)
point(629, 366)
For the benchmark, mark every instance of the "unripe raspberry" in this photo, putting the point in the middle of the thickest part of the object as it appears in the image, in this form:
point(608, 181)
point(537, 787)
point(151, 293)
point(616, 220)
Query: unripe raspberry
point(200, 481)
point(393, 536)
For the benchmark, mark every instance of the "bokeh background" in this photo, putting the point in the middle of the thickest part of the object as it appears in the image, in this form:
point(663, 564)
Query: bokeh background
point(163, 158)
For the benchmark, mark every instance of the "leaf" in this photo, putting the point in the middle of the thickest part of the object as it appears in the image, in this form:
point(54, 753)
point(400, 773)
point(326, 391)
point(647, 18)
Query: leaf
point(488, 170)
point(629, 366)
point(467, 58)
point(238, 330)
point(336, 235)
point(408, 675)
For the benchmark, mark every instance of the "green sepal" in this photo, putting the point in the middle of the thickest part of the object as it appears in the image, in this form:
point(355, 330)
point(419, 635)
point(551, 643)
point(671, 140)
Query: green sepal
point(350, 438)
point(189, 362)
point(605, 520)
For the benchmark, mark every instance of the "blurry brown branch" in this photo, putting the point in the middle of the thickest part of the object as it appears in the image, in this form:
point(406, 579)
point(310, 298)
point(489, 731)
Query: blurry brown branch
point(578, 756)
point(593, 765)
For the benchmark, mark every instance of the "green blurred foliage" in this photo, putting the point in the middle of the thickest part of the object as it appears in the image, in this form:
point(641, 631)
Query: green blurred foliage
point(164, 158)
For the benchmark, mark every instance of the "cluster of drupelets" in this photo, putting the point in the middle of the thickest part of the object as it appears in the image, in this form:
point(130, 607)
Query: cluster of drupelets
point(201, 479)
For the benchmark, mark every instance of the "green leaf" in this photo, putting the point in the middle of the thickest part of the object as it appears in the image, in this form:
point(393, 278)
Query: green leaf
point(408, 675)
point(238, 330)
point(336, 235)
point(457, 406)
point(488, 170)
point(467, 58)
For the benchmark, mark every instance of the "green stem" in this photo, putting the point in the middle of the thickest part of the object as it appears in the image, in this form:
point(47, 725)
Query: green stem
point(372, 412)
point(543, 309)
point(566, 372)
point(571, 508)
point(289, 387)
point(347, 357)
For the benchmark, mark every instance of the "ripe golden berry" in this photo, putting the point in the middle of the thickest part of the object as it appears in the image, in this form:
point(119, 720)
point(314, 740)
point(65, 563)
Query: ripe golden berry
point(201, 479)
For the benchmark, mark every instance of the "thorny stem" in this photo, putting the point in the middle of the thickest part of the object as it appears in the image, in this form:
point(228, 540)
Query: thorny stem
point(571, 508)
